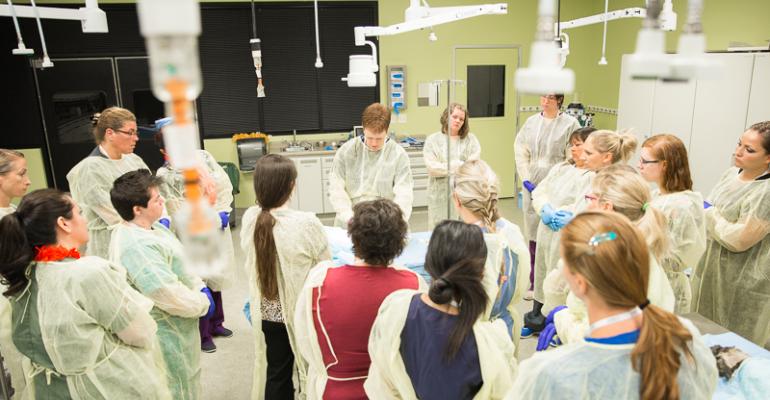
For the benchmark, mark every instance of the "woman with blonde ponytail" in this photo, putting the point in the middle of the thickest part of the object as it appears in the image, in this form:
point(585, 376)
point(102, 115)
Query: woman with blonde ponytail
point(507, 267)
point(620, 189)
point(633, 349)
point(601, 149)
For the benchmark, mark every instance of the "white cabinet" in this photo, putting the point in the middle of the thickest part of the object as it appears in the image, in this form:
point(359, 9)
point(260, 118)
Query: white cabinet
point(309, 186)
point(419, 177)
point(311, 192)
point(759, 102)
point(709, 115)
point(326, 168)
point(719, 120)
point(420, 191)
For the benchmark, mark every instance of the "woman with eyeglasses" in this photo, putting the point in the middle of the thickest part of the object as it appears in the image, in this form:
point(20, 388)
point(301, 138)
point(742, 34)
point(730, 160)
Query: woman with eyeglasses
point(731, 284)
point(633, 349)
point(91, 179)
point(663, 161)
point(538, 147)
point(601, 149)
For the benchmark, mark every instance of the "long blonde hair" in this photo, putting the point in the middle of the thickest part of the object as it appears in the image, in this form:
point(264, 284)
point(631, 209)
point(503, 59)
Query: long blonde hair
point(618, 270)
point(477, 188)
point(620, 145)
point(629, 194)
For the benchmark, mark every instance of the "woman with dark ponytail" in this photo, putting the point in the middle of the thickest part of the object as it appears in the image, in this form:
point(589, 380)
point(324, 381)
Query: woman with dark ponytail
point(281, 245)
point(633, 349)
point(434, 345)
point(88, 334)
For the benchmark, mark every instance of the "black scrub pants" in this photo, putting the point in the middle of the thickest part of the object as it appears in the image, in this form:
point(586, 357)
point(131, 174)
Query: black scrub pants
point(280, 362)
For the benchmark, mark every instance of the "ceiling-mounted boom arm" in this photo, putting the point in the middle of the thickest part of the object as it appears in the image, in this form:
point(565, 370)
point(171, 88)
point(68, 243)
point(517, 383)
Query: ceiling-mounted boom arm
point(92, 18)
point(426, 17)
point(415, 17)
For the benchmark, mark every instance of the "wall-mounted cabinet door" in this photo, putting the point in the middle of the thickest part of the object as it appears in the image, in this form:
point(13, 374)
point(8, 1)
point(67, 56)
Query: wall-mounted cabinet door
point(759, 102)
point(635, 104)
point(719, 119)
point(309, 184)
point(70, 94)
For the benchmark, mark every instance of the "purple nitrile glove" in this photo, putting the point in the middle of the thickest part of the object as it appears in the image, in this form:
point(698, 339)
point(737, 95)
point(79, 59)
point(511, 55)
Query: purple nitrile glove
point(224, 216)
point(165, 222)
point(529, 186)
point(544, 340)
point(549, 318)
point(706, 204)
point(212, 307)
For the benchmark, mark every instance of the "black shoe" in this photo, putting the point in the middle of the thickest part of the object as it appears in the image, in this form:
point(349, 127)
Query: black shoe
point(534, 321)
point(222, 332)
point(208, 347)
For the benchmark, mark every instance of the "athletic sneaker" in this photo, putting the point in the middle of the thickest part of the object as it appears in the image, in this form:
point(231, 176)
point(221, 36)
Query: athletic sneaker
point(208, 346)
point(527, 332)
point(222, 332)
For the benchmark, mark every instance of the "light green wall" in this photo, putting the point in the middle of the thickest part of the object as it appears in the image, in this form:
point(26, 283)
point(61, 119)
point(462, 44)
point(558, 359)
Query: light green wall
point(35, 169)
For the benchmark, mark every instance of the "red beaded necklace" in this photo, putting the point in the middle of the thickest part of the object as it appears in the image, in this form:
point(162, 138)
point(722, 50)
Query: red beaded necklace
point(55, 253)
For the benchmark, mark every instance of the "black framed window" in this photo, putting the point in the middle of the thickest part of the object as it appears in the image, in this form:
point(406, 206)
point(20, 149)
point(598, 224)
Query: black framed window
point(486, 90)
point(298, 95)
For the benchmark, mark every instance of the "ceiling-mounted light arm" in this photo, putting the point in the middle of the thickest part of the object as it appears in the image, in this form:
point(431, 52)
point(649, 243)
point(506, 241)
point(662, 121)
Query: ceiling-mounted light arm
point(426, 17)
point(665, 18)
point(47, 63)
point(20, 49)
point(318, 62)
point(417, 16)
point(545, 74)
point(694, 14)
point(91, 17)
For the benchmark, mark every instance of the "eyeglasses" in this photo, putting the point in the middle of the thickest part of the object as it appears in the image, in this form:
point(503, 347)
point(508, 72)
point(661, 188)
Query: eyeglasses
point(132, 132)
point(645, 162)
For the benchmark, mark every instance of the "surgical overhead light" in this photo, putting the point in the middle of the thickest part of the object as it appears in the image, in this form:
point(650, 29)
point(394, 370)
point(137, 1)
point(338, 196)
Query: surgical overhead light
point(545, 74)
point(666, 19)
point(92, 19)
point(649, 61)
point(690, 61)
point(417, 16)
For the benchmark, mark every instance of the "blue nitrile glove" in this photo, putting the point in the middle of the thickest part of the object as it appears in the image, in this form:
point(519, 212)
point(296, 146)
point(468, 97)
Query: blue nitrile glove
point(212, 307)
point(561, 218)
point(547, 213)
point(247, 310)
point(546, 335)
point(529, 186)
point(224, 216)
point(706, 204)
point(165, 222)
